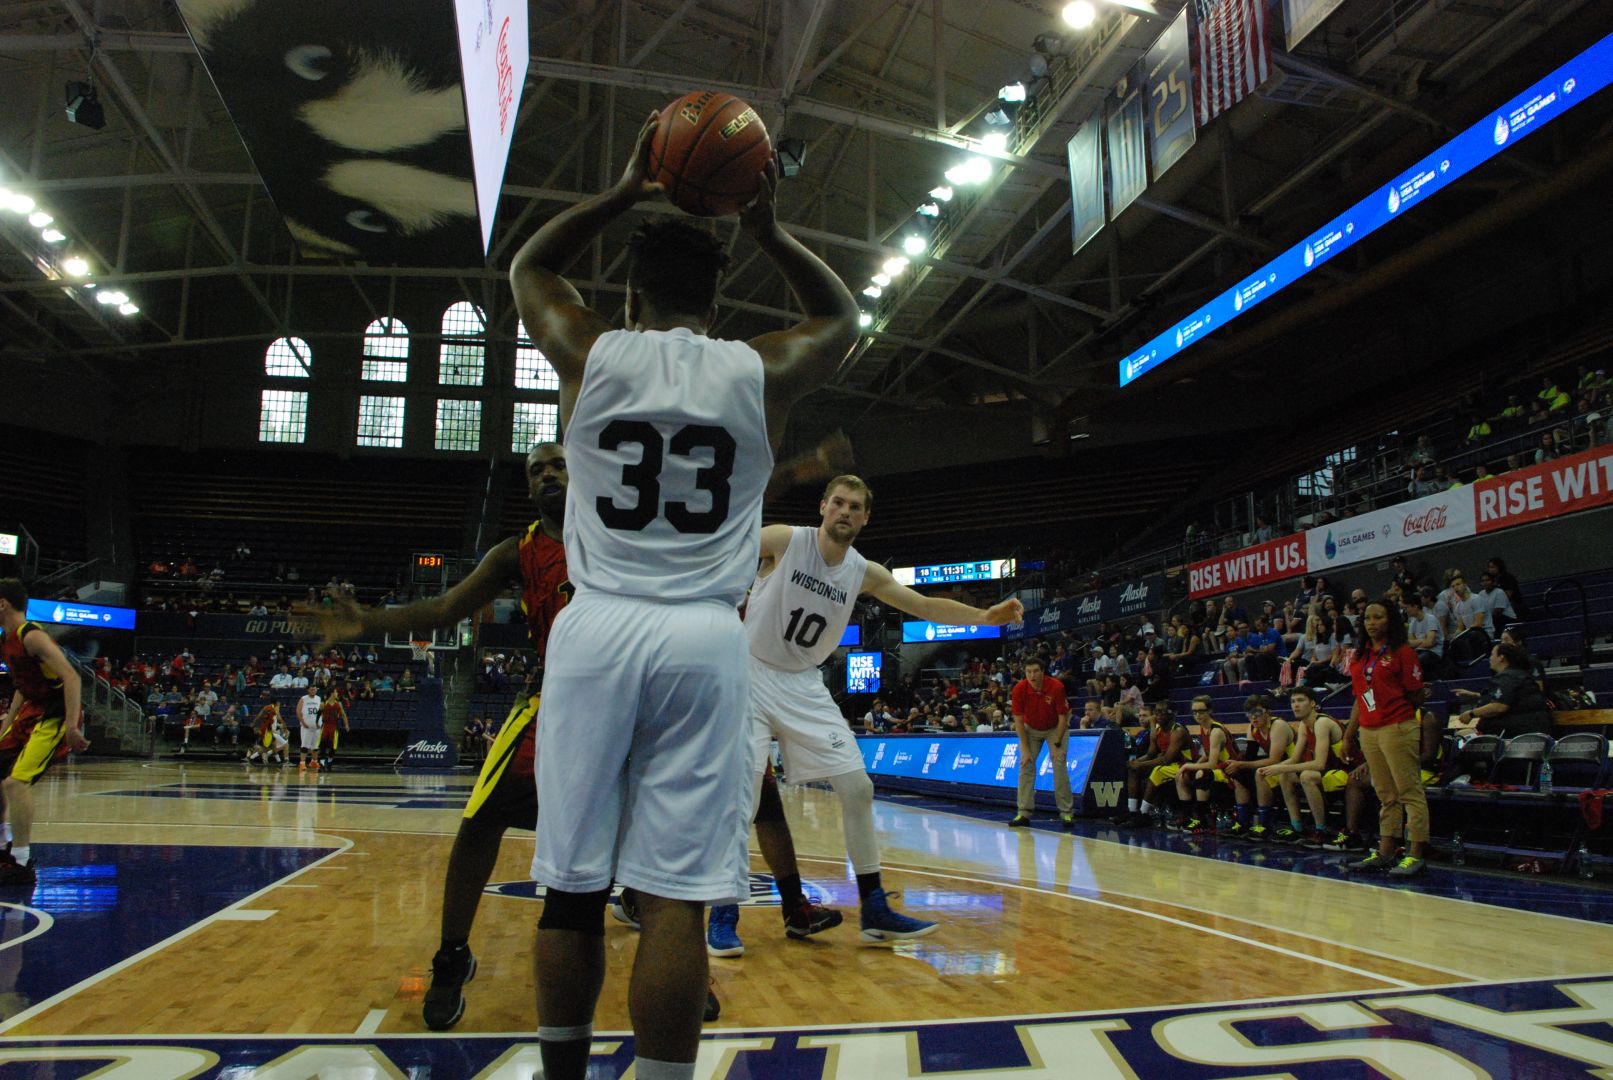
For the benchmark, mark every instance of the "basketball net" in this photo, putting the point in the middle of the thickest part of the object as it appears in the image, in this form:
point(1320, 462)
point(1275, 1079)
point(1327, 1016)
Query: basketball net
point(421, 651)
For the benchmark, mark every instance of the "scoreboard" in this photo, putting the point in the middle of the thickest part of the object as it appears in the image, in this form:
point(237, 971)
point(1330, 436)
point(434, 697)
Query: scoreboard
point(952, 573)
point(429, 568)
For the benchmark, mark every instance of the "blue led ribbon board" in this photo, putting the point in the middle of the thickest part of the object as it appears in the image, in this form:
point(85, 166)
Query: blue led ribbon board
point(1519, 118)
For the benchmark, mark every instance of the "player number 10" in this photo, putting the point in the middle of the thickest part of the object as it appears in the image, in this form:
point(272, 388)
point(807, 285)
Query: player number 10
point(805, 632)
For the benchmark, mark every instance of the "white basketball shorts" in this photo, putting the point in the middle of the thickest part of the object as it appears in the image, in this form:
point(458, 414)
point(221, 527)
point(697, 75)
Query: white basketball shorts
point(310, 738)
point(643, 766)
point(795, 708)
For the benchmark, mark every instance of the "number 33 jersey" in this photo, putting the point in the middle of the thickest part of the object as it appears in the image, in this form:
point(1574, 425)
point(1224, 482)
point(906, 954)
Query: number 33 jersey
point(668, 454)
point(797, 614)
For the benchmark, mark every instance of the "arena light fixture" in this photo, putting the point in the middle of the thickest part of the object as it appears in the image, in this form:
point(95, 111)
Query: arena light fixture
point(941, 194)
point(996, 141)
point(19, 203)
point(1013, 93)
point(112, 296)
point(52, 236)
point(1080, 14)
point(128, 309)
point(975, 170)
point(865, 319)
point(39, 219)
point(75, 266)
point(894, 265)
point(929, 210)
point(914, 244)
point(881, 280)
point(873, 292)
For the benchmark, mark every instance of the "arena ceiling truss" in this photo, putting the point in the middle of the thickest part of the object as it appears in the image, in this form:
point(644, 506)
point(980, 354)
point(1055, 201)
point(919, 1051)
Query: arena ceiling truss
point(887, 96)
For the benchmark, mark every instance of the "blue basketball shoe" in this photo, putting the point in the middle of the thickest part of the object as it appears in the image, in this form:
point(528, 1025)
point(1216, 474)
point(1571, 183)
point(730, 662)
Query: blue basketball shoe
point(722, 931)
point(880, 923)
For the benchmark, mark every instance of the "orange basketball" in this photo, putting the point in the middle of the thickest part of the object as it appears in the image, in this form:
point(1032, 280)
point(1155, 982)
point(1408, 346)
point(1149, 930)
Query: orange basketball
point(709, 150)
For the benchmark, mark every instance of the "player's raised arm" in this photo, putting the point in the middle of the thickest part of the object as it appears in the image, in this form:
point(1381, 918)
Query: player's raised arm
point(551, 308)
point(879, 582)
point(802, 358)
point(347, 620)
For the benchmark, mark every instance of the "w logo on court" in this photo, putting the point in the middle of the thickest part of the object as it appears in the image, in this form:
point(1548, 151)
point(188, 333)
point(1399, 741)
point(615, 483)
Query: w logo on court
point(763, 890)
point(1107, 793)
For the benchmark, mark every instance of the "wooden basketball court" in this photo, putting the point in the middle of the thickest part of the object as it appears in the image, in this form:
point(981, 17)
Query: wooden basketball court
point(260, 913)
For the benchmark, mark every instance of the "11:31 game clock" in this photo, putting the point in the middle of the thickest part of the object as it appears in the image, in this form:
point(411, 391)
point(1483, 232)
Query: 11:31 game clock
point(429, 568)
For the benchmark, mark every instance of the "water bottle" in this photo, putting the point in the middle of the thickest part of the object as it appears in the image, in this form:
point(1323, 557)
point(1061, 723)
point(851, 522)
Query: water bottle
point(1458, 851)
point(1545, 777)
point(1582, 863)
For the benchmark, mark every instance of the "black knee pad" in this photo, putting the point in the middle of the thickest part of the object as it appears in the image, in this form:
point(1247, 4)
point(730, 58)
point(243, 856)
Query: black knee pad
point(769, 808)
point(583, 913)
point(1203, 780)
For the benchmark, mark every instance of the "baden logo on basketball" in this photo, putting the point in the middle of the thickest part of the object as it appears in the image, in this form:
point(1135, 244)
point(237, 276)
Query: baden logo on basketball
point(763, 891)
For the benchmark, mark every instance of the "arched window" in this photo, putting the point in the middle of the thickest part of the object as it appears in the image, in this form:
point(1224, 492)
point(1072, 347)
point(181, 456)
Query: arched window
point(386, 351)
point(288, 357)
point(532, 369)
point(464, 329)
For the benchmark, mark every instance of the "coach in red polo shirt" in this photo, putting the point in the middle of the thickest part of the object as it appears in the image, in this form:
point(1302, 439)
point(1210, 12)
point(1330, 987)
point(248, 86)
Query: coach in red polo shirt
point(1042, 715)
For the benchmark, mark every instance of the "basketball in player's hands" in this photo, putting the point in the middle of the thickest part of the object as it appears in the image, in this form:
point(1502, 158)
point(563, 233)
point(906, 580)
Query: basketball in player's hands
point(709, 152)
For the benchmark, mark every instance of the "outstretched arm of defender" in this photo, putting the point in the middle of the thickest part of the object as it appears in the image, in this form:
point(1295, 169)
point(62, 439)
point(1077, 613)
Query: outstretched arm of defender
point(550, 307)
point(879, 583)
point(802, 358)
point(828, 459)
point(346, 620)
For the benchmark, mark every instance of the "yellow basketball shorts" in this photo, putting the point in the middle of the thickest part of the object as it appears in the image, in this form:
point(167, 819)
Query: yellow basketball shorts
point(506, 791)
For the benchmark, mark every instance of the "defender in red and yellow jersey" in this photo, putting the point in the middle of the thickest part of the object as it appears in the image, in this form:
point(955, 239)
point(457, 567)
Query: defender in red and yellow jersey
point(42, 724)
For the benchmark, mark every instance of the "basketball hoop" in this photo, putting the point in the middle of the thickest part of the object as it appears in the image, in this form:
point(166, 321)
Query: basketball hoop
point(420, 650)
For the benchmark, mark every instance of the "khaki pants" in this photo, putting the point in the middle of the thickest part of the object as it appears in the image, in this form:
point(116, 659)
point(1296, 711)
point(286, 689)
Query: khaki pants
point(1030, 748)
point(1392, 755)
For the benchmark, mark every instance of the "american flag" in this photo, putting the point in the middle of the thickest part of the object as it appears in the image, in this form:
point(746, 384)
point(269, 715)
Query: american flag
point(1233, 56)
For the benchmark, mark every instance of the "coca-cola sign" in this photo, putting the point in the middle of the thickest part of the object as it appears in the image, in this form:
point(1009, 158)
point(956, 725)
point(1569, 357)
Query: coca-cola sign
point(1431, 520)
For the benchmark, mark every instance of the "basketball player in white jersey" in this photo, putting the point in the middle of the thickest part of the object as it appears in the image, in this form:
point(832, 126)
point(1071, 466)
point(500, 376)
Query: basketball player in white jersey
point(642, 756)
point(807, 583)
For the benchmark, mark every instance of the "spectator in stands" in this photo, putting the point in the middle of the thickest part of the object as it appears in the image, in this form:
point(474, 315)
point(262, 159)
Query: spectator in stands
point(1316, 653)
point(1512, 703)
point(1185, 644)
point(229, 725)
point(1130, 700)
point(292, 575)
point(1551, 395)
point(1478, 430)
point(1261, 659)
point(1511, 416)
point(1263, 532)
point(299, 679)
point(206, 698)
point(1235, 668)
point(1092, 715)
point(984, 721)
point(1423, 633)
point(1232, 612)
point(878, 717)
point(366, 692)
point(282, 679)
point(384, 683)
point(188, 568)
point(1497, 605)
point(1388, 688)
point(1402, 576)
point(1422, 453)
point(1550, 448)
point(1443, 480)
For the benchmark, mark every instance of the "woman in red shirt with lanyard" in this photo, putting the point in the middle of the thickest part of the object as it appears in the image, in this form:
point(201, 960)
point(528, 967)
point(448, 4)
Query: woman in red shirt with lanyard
point(1388, 683)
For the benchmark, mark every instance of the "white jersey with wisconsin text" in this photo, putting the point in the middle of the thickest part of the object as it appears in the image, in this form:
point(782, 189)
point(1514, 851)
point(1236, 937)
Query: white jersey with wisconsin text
point(797, 614)
point(668, 455)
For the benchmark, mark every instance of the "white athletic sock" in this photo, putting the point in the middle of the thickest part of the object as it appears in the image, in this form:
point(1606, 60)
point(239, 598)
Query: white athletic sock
point(1145, 808)
point(646, 1069)
point(1134, 805)
point(5, 832)
point(20, 854)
